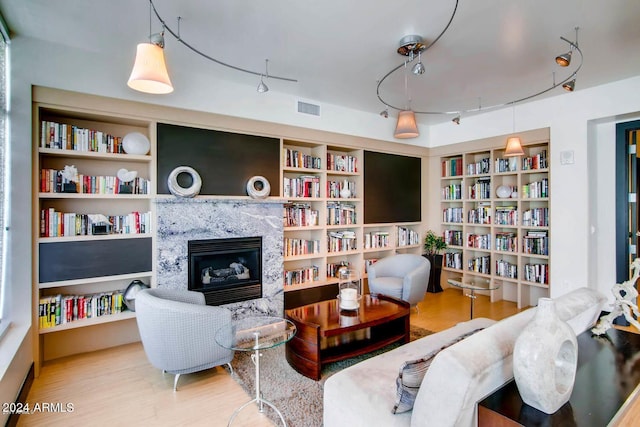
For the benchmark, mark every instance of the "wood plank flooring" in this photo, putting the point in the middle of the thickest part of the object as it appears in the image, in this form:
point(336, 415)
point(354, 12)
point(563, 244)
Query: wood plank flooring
point(118, 386)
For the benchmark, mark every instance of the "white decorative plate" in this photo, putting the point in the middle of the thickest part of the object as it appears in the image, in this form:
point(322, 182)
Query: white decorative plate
point(503, 191)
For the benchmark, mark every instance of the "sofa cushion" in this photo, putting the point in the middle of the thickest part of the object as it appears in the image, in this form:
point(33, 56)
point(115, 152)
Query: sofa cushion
point(413, 371)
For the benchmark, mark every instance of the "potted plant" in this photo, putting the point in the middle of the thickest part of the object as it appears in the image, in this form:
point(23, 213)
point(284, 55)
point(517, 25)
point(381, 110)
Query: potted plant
point(433, 247)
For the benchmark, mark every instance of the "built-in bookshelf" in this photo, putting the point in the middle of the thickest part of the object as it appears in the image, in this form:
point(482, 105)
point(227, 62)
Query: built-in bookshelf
point(331, 222)
point(495, 220)
point(93, 232)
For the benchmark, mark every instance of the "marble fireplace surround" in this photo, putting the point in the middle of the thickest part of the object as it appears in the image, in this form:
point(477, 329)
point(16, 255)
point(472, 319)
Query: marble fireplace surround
point(182, 219)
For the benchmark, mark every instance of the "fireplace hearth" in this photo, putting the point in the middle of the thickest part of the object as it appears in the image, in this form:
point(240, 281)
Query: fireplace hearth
point(226, 270)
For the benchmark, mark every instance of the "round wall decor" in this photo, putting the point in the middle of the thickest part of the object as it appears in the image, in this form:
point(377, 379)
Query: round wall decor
point(258, 187)
point(135, 143)
point(179, 191)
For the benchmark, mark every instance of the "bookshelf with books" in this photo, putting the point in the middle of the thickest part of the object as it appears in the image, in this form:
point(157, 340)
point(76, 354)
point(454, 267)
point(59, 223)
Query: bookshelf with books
point(336, 217)
point(495, 220)
point(92, 225)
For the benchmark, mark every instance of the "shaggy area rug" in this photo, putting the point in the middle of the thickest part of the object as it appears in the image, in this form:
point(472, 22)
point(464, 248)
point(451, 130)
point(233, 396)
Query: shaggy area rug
point(298, 398)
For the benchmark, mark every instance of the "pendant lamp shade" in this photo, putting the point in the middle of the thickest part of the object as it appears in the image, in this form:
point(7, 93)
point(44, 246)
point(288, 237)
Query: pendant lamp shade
point(406, 126)
point(149, 72)
point(514, 147)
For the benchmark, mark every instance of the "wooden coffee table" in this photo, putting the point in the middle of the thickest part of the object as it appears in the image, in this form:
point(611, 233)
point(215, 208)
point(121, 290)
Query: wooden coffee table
point(325, 333)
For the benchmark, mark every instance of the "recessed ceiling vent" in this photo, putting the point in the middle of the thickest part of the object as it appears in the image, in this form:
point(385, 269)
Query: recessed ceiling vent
point(306, 108)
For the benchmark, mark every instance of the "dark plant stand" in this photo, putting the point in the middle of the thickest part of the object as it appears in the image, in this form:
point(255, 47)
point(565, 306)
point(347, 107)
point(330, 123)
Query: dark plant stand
point(436, 272)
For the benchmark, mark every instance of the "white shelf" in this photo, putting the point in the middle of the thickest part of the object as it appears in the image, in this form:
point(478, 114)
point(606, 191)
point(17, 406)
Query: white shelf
point(83, 323)
point(94, 155)
point(94, 237)
point(89, 280)
point(91, 196)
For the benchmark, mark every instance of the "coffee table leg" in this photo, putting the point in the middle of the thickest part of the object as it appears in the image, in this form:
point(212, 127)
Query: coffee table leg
point(255, 357)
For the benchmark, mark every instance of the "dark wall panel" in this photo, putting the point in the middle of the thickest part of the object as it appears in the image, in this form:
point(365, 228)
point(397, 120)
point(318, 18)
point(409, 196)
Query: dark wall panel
point(225, 161)
point(392, 191)
point(80, 260)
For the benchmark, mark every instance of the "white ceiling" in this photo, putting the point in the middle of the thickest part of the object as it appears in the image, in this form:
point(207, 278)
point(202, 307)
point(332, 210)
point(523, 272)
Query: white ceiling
point(495, 51)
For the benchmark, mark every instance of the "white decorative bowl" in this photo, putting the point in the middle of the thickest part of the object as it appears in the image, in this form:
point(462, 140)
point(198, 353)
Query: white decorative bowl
point(135, 143)
point(503, 191)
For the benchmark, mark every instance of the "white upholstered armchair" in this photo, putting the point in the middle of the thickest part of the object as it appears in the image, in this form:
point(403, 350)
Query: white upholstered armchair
point(403, 276)
point(178, 331)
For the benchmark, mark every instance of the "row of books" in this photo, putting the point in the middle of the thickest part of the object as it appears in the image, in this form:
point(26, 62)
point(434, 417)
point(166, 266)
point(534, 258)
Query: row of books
point(341, 241)
point(452, 215)
point(302, 186)
point(480, 167)
point(341, 214)
point(452, 192)
point(301, 275)
point(334, 188)
point(480, 264)
point(479, 241)
point(453, 260)
point(509, 164)
point(538, 273)
point(453, 237)
point(538, 161)
point(300, 215)
point(506, 241)
point(342, 163)
point(334, 267)
point(506, 215)
point(536, 217)
point(52, 181)
point(480, 215)
point(481, 189)
point(296, 247)
point(70, 137)
point(452, 167)
point(58, 224)
point(536, 243)
point(60, 309)
point(298, 159)
point(407, 237)
point(536, 190)
point(506, 269)
point(376, 239)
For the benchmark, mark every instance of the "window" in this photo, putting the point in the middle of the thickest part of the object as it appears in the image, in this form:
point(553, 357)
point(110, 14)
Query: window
point(3, 143)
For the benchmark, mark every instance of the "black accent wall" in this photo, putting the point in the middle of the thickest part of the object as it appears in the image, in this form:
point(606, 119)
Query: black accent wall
point(225, 161)
point(392, 188)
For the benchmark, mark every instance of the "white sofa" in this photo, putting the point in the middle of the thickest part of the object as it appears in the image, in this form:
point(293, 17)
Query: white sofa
point(459, 376)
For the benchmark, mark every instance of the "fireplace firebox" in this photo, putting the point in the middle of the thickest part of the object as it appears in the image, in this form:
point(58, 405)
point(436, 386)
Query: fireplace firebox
point(226, 270)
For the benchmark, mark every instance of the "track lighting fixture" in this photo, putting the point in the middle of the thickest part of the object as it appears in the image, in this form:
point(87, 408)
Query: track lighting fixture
point(406, 126)
point(514, 144)
point(411, 45)
point(418, 69)
point(570, 85)
point(385, 113)
point(262, 88)
point(564, 60)
point(150, 73)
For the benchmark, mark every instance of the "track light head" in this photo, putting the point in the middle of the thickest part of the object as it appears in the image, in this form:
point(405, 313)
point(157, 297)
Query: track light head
point(570, 85)
point(385, 113)
point(564, 60)
point(418, 69)
point(262, 88)
point(456, 120)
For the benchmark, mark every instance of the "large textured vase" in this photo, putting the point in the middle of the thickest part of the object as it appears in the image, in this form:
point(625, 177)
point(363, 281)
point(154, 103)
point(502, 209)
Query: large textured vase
point(545, 358)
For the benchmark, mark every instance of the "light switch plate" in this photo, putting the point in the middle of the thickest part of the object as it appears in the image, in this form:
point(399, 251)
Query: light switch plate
point(566, 157)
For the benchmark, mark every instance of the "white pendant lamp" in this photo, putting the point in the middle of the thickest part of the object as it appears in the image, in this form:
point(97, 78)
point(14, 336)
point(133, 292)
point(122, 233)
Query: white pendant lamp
point(406, 126)
point(514, 147)
point(149, 72)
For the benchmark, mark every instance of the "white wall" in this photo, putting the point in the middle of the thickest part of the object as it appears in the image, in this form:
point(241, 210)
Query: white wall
point(569, 117)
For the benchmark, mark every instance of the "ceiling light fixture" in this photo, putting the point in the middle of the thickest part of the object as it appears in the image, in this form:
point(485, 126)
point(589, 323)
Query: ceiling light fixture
point(385, 113)
point(514, 144)
point(570, 85)
point(159, 78)
point(418, 69)
point(149, 74)
point(262, 88)
point(410, 45)
point(406, 126)
point(456, 120)
point(564, 60)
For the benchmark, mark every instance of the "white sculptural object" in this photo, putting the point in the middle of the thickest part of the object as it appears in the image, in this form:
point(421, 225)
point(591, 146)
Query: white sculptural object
point(625, 294)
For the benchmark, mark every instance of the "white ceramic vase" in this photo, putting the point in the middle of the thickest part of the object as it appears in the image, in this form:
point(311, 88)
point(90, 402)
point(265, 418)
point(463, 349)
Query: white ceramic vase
point(545, 358)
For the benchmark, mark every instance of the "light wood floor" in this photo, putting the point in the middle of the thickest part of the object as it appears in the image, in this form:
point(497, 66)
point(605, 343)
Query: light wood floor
point(119, 387)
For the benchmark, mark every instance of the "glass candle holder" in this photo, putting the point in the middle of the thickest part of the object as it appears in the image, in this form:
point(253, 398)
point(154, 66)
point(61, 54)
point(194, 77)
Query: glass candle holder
point(349, 289)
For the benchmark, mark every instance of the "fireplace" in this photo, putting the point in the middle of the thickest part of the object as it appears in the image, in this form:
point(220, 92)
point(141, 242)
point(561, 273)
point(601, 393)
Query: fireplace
point(226, 270)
